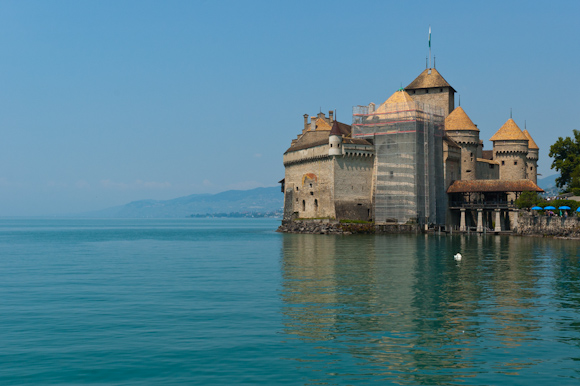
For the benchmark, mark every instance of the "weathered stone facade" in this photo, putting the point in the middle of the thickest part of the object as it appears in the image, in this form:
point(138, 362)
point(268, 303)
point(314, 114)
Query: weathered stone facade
point(536, 225)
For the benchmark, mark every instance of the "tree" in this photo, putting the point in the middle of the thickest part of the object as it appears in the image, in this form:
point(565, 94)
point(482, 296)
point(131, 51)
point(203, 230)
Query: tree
point(566, 155)
point(528, 199)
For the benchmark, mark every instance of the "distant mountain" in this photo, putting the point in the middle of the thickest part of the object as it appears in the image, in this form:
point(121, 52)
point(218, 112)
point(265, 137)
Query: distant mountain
point(549, 185)
point(259, 200)
point(548, 182)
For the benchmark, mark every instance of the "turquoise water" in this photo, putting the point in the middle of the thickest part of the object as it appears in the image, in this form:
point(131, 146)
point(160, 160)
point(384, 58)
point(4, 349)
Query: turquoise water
point(229, 302)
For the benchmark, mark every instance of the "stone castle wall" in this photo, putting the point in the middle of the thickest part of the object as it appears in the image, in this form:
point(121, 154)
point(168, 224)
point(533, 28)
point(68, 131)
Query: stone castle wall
point(311, 186)
point(353, 177)
point(487, 170)
point(440, 97)
point(535, 225)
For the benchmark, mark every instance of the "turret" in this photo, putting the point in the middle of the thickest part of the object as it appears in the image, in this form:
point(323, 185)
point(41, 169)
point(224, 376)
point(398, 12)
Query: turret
point(460, 128)
point(432, 89)
point(532, 158)
point(335, 140)
point(510, 149)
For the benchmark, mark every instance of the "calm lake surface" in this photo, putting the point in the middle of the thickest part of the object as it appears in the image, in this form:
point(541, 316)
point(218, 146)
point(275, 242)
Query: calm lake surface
point(229, 302)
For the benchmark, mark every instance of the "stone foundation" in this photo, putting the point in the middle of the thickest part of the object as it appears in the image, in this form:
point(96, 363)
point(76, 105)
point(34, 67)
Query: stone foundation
point(333, 227)
point(535, 225)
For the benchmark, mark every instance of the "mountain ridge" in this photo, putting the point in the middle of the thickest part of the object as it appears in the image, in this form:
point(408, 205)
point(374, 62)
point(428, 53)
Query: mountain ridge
point(258, 200)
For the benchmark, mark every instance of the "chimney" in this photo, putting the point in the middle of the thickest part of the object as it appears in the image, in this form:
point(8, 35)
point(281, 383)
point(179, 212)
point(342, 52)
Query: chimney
point(305, 121)
point(331, 116)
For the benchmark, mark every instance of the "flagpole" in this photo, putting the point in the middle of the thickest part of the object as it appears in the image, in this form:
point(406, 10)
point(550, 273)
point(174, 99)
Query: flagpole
point(429, 46)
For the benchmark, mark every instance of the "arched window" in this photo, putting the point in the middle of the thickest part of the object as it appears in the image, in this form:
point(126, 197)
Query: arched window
point(303, 205)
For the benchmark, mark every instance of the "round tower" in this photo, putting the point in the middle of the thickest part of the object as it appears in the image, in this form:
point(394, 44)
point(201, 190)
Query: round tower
point(460, 128)
point(510, 149)
point(532, 158)
point(335, 140)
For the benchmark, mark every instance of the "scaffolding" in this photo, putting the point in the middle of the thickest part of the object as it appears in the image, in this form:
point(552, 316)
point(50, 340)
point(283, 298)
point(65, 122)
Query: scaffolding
point(408, 181)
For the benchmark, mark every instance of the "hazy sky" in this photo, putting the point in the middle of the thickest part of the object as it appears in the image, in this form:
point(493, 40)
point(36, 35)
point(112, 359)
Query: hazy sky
point(106, 102)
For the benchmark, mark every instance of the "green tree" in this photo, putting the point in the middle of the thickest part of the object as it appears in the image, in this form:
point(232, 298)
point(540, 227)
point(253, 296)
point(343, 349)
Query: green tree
point(566, 155)
point(528, 199)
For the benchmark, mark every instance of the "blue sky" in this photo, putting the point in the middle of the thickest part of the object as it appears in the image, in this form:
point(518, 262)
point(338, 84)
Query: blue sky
point(106, 102)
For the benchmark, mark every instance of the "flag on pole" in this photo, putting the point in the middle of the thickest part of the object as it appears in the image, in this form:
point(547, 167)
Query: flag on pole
point(429, 36)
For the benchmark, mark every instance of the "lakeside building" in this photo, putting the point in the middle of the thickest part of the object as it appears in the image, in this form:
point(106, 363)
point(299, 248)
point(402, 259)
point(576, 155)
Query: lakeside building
point(414, 159)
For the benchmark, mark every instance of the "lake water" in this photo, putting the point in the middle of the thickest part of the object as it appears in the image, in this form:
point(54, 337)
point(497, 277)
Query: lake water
point(230, 302)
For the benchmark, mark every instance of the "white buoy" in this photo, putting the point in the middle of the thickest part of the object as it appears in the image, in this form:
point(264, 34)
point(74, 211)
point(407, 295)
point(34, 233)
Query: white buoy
point(457, 257)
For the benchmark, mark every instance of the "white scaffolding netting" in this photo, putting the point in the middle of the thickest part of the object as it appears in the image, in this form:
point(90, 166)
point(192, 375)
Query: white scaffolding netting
point(408, 182)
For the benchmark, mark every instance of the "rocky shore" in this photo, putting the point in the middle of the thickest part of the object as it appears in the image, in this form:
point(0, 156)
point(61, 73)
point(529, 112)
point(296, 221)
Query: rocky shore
point(333, 227)
point(325, 227)
point(544, 226)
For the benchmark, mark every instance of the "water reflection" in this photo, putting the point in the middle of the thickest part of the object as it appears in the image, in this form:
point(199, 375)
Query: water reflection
point(400, 309)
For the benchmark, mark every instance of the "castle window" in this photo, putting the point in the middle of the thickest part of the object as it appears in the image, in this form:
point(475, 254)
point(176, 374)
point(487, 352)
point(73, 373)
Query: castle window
point(297, 188)
point(468, 171)
point(531, 168)
point(440, 90)
point(312, 193)
point(503, 162)
point(310, 185)
point(515, 162)
point(331, 145)
point(427, 91)
point(315, 204)
point(491, 166)
point(303, 205)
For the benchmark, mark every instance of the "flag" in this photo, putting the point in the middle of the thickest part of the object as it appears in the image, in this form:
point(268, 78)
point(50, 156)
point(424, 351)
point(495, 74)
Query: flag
point(429, 36)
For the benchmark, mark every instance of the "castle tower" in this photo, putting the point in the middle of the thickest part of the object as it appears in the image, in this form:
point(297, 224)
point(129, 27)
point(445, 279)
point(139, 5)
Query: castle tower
point(460, 128)
point(335, 140)
point(432, 89)
point(510, 149)
point(532, 158)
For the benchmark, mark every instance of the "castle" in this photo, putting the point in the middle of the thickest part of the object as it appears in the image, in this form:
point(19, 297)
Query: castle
point(414, 159)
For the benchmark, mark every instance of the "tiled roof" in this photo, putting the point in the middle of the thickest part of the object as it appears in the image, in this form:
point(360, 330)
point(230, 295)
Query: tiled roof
point(399, 96)
point(335, 129)
point(479, 186)
point(428, 79)
point(319, 137)
point(356, 141)
point(321, 124)
point(488, 161)
point(531, 143)
point(458, 120)
point(394, 100)
point(509, 132)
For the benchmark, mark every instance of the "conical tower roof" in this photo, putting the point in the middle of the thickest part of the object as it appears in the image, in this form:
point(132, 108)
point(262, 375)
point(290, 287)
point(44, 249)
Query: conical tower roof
point(458, 120)
point(429, 78)
point(509, 132)
point(335, 129)
point(399, 96)
point(531, 144)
